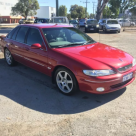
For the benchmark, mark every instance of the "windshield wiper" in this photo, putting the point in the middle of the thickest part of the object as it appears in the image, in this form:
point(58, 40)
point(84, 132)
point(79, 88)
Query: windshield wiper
point(89, 42)
point(66, 45)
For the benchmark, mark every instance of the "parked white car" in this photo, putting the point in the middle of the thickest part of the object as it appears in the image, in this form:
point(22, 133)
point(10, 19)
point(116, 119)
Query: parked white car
point(111, 25)
point(126, 22)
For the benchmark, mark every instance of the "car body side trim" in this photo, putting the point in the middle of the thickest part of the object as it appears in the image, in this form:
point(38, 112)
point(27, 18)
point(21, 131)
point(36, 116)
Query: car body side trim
point(34, 61)
point(100, 81)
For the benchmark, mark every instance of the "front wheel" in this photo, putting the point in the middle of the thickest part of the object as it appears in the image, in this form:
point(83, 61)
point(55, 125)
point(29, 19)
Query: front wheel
point(66, 81)
point(9, 59)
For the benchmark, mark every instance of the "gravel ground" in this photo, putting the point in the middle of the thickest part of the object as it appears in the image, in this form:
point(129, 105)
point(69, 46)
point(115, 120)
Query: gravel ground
point(31, 106)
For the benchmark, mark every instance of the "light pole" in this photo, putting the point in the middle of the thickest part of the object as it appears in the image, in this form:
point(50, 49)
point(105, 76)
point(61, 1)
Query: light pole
point(86, 5)
point(57, 7)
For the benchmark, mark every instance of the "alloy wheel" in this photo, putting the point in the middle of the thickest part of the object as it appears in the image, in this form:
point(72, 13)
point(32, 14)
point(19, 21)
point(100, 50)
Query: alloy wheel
point(8, 57)
point(64, 82)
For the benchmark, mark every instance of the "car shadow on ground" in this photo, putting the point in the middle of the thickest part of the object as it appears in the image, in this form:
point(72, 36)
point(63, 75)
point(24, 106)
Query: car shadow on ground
point(35, 91)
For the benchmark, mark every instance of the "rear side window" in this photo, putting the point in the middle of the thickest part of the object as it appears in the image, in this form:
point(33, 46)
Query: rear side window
point(21, 34)
point(11, 33)
point(15, 34)
point(34, 37)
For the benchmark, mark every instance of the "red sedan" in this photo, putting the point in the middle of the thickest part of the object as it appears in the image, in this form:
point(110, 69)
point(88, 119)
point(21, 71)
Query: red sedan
point(73, 59)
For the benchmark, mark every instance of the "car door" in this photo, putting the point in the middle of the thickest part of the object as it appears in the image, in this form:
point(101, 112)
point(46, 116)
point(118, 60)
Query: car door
point(35, 58)
point(17, 45)
point(127, 23)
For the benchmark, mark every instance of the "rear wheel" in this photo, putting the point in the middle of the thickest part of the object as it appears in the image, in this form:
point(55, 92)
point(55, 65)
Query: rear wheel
point(66, 81)
point(8, 57)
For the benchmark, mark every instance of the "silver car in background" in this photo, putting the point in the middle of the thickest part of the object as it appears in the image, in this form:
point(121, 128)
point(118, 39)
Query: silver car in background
point(126, 22)
point(112, 25)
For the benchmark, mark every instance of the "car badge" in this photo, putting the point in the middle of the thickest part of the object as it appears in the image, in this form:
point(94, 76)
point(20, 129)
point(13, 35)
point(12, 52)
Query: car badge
point(121, 60)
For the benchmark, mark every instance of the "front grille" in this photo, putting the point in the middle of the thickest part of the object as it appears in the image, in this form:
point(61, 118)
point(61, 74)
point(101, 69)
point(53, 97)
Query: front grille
point(120, 84)
point(91, 26)
point(114, 27)
point(125, 68)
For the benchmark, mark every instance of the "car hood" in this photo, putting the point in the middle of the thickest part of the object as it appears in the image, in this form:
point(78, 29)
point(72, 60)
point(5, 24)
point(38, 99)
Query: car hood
point(101, 53)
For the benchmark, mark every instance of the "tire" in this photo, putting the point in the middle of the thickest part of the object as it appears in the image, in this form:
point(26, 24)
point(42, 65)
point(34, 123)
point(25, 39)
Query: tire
point(104, 30)
point(119, 31)
point(9, 58)
point(86, 30)
point(62, 77)
point(97, 31)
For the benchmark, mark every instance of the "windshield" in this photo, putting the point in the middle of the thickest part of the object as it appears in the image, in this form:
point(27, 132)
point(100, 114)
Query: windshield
point(112, 22)
point(73, 22)
point(92, 22)
point(58, 20)
point(60, 37)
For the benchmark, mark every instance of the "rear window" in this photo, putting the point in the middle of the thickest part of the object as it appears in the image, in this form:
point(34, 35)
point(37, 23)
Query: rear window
point(21, 34)
point(82, 20)
point(41, 21)
point(11, 33)
point(58, 20)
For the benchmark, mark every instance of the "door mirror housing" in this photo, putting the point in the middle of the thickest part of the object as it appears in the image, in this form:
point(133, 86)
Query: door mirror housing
point(36, 46)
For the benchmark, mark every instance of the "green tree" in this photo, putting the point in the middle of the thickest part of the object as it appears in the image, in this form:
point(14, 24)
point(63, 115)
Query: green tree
point(69, 16)
point(77, 11)
point(62, 10)
point(114, 6)
point(133, 11)
point(92, 16)
point(25, 8)
point(107, 12)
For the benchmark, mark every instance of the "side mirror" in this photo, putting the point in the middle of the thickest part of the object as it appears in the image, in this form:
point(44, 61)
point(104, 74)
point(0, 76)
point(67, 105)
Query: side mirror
point(36, 46)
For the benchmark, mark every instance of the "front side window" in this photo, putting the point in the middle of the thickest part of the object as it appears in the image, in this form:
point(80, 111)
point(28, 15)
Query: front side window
point(34, 37)
point(21, 34)
point(61, 37)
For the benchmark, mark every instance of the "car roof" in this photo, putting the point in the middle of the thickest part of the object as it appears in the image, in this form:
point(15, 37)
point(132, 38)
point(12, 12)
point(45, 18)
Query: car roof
point(91, 19)
point(59, 17)
point(51, 25)
point(42, 18)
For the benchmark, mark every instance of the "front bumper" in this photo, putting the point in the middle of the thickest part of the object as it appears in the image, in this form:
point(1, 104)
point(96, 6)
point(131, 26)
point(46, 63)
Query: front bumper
point(92, 28)
point(113, 29)
point(111, 84)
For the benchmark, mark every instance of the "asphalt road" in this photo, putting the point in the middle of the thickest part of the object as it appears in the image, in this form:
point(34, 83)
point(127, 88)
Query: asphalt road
point(30, 105)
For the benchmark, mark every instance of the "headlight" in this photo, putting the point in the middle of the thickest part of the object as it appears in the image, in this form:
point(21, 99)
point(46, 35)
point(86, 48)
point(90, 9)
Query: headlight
point(96, 73)
point(97, 25)
point(86, 25)
point(134, 62)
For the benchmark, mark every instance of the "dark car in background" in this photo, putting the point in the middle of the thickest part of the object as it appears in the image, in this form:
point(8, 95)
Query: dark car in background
point(75, 23)
point(41, 20)
point(92, 25)
point(101, 23)
point(82, 22)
